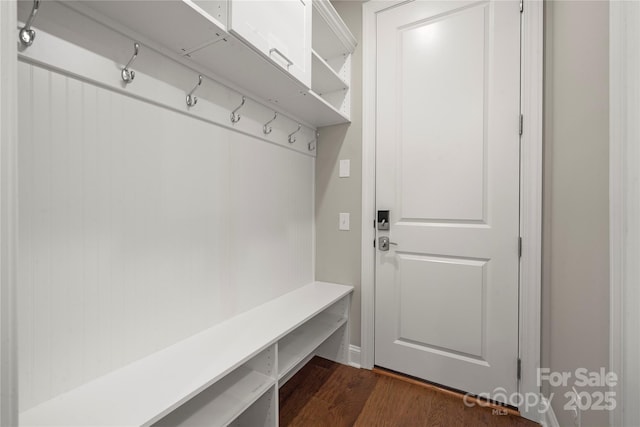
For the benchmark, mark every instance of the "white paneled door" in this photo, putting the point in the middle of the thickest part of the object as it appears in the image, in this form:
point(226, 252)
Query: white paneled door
point(447, 170)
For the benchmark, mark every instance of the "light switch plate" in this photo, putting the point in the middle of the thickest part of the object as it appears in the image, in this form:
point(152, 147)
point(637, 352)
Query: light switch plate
point(345, 168)
point(344, 221)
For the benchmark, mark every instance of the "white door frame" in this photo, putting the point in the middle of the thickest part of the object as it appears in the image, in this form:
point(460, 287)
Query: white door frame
point(624, 203)
point(530, 192)
point(8, 211)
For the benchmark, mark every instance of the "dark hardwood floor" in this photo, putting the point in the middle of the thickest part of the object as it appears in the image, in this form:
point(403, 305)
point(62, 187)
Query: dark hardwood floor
point(328, 394)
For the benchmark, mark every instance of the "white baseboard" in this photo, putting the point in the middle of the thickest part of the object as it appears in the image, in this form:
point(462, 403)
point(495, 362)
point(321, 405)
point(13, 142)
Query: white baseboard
point(354, 356)
point(548, 418)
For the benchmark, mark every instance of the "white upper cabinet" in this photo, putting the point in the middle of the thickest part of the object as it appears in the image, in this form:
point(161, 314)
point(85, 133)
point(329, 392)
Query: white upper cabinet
point(293, 54)
point(280, 30)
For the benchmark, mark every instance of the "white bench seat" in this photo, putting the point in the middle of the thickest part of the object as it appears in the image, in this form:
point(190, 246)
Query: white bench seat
point(145, 391)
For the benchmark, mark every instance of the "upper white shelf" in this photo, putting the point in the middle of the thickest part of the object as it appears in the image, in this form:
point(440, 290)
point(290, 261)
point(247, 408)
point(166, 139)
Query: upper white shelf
point(198, 31)
point(170, 377)
point(324, 78)
point(331, 36)
point(181, 26)
point(330, 114)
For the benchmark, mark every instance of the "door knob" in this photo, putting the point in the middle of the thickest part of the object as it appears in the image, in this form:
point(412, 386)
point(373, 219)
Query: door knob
point(384, 243)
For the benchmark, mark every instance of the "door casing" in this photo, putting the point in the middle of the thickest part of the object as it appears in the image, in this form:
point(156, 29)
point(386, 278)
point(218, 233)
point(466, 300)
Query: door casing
point(530, 192)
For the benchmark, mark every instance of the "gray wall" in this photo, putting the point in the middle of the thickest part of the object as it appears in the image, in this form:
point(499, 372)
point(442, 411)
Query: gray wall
point(338, 252)
point(575, 248)
point(576, 196)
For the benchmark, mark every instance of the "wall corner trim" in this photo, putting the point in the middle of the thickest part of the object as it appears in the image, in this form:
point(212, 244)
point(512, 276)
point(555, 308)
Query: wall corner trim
point(548, 418)
point(354, 356)
point(531, 160)
point(8, 211)
point(624, 207)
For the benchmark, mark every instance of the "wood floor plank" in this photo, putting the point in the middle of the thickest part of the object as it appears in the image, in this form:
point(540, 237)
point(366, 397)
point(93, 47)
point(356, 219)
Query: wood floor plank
point(336, 403)
point(349, 393)
point(442, 390)
point(300, 390)
point(326, 394)
point(395, 403)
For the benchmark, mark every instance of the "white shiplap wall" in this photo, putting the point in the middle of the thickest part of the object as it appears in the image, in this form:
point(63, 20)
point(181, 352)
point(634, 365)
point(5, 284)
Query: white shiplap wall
point(140, 226)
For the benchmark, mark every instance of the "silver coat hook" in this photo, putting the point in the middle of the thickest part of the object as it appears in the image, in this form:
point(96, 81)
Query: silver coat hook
point(292, 138)
point(191, 99)
point(312, 144)
point(266, 129)
point(235, 118)
point(126, 74)
point(27, 35)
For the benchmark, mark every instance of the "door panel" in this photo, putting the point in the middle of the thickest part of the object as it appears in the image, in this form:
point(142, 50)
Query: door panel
point(459, 285)
point(446, 59)
point(447, 168)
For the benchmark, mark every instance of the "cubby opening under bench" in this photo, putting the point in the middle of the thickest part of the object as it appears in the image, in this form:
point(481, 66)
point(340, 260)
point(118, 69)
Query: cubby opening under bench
point(226, 375)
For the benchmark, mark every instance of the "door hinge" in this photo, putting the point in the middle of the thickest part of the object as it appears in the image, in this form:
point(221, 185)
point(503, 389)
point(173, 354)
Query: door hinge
point(521, 6)
point(521, 124)
point(374, 243)
point(519, 373)
point(519, 247)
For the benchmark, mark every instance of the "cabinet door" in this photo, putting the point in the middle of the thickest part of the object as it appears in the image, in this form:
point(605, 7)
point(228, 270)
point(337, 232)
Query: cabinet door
point(279, 29)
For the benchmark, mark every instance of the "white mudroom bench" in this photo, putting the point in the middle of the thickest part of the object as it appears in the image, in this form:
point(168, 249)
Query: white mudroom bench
point(228, 374)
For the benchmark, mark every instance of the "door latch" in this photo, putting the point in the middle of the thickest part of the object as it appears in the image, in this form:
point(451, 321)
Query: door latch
point(384, 243)
point(383, 220)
